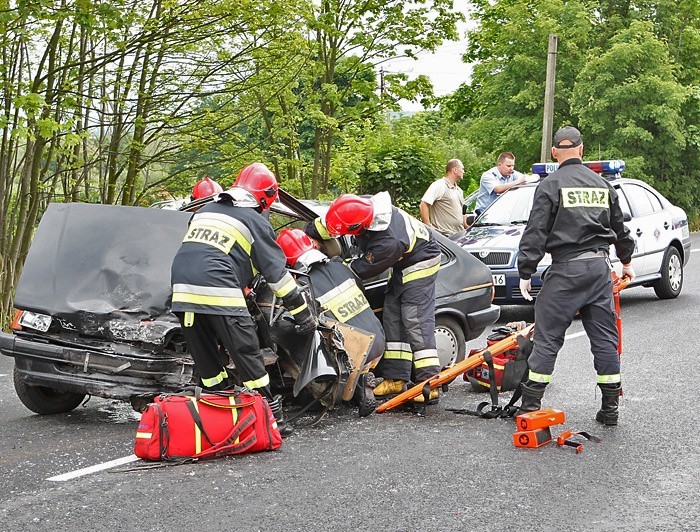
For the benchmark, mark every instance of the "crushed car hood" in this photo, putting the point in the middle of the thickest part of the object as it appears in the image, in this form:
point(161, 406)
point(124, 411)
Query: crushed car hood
point(103, 270)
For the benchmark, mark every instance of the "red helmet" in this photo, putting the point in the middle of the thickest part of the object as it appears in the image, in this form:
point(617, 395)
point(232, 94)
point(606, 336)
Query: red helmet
point(349, 215)
point(204, 188)
point(294, 243)
point(257, 179)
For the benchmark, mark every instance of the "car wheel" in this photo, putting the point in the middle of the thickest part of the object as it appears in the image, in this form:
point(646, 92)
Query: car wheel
point(671, 282)
point(450, 341)
point(140, 402)
point(43, 400)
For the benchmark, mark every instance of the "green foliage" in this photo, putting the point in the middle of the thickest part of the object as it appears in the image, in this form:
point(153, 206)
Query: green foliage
point(403, 166)
point(347, 40)
point(404, 157)
point(626, 74)
point(627, 100)
point(505, 98)
point(302, 111)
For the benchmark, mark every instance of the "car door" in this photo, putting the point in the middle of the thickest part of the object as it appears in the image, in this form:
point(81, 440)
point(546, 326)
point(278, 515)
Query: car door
point(638, 254)
point(650, 226)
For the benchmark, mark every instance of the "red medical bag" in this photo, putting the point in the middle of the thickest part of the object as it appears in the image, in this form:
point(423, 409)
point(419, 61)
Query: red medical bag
point(206, 425)
point(507, 369)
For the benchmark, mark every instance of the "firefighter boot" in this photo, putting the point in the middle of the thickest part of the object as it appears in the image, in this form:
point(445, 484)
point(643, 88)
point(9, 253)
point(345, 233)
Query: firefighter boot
point(608, 413)
point(532, 396)
point(364, 395)
point(389, 387)
point(433, 397)
point(276, 406)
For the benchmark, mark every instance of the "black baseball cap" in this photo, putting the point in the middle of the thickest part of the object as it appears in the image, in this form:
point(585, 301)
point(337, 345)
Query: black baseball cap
point(569, 133)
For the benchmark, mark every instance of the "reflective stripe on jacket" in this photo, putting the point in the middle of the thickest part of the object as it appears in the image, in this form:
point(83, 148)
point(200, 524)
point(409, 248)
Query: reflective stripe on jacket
point(224, 247)
point(403, 243)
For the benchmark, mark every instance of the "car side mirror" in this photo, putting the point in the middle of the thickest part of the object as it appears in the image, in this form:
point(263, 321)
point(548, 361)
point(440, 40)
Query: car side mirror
point(627, 217)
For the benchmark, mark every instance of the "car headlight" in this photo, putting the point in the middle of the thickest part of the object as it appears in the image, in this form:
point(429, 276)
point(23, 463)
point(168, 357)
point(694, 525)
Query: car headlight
point(33, 320)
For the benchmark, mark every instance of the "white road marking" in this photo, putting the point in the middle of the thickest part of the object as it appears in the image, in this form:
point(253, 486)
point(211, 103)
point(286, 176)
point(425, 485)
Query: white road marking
point(694, 250)
point(94, 469)
point(575, 335)
point(4, 375)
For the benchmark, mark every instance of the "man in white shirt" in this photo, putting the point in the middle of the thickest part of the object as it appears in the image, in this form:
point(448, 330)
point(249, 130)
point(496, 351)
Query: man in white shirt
point(441, 205)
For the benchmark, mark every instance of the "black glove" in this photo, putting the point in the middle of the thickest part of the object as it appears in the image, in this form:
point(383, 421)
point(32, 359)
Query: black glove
point(306, 322)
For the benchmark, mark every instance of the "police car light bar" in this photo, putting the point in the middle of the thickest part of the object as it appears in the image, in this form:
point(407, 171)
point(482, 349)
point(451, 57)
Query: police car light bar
point(612, 168)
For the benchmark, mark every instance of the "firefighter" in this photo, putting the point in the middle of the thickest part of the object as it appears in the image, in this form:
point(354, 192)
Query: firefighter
point(576, 216)
point(387, 237)
point(341, 298)
point(226, 242)
point(204, 188)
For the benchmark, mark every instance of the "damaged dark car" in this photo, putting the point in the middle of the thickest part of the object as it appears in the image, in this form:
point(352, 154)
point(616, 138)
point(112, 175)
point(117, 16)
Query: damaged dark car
point(92, 306)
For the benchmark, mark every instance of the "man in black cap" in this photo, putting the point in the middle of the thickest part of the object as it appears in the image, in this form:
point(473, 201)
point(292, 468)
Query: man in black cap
point(575, 217)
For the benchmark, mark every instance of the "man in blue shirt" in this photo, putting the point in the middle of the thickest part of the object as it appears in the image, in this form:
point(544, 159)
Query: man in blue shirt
point(498, 179)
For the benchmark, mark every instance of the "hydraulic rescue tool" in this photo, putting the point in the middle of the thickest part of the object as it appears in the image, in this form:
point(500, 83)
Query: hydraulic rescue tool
point(448, 374)
point(619, 283)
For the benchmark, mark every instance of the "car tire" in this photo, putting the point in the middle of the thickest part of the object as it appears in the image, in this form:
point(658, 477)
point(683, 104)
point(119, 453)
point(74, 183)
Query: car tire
point(450, 340)
point(43, 400)
point(671, 282)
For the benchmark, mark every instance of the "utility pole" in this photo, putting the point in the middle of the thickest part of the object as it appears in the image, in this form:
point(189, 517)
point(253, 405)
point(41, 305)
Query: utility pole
point(548, 117)
point(387, 114)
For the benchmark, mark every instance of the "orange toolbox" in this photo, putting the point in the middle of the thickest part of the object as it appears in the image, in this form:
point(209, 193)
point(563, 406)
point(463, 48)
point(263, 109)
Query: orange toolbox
point(539, 419)
point(532, 438)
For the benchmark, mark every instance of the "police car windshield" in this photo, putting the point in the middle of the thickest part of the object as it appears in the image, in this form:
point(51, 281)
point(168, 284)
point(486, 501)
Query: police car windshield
point(512, 208)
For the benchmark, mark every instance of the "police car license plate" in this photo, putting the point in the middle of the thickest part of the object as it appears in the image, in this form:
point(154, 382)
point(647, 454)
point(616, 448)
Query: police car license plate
point(499, 279)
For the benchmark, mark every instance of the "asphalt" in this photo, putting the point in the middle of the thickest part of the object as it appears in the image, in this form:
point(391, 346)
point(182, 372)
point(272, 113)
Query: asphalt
point(397, 471)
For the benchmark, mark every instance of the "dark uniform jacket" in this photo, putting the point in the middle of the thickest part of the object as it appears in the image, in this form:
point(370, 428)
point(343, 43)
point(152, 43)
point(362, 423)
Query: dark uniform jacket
point(396, 240)
point(574, 211)
point(224, 248)
point(338, 294)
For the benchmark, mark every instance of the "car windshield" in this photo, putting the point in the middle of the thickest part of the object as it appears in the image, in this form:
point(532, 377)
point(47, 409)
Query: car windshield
point(470, 201)
point(512, 208)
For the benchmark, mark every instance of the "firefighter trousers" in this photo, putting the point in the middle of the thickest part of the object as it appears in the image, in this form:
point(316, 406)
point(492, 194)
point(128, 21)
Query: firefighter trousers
point(583, 285)
point(205, 334)
point(409, 325)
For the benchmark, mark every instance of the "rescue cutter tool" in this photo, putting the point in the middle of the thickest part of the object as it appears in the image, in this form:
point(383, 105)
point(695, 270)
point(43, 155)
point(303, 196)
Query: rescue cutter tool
point(447, 375)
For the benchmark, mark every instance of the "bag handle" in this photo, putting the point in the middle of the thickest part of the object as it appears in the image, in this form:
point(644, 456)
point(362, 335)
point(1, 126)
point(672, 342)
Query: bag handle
point(229, 406)
point(196, 392)
point(227, 445)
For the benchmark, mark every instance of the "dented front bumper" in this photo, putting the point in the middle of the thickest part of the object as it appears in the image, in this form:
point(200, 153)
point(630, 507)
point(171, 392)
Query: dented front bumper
point(115, 372)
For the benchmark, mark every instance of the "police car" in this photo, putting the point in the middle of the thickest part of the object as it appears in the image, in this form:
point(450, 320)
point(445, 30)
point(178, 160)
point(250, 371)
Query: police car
point(660, 231)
